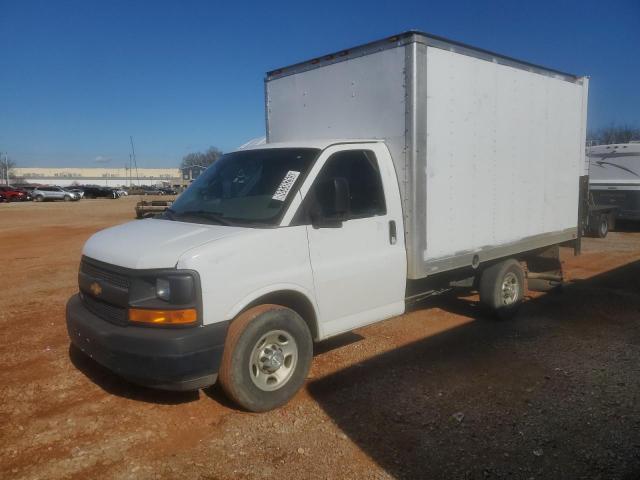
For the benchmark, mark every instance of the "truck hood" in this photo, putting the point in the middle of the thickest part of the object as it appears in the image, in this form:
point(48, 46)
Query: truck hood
point(152, 243)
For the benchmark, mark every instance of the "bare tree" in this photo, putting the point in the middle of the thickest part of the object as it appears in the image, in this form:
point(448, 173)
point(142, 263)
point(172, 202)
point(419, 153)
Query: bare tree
point(201, 159)
point(6, 168)
point(613, 134)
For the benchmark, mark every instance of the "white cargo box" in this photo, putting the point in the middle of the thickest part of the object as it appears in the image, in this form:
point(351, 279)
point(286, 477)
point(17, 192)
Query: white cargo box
point(488, 149)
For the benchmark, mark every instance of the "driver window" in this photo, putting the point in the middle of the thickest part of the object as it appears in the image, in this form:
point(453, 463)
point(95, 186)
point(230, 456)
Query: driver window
point(360, 169)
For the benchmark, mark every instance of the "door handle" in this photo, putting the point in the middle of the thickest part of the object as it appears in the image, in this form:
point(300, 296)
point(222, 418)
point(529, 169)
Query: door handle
point(393, 234)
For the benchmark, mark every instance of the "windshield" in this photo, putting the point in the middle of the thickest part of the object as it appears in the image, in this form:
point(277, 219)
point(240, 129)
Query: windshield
point(246, 187)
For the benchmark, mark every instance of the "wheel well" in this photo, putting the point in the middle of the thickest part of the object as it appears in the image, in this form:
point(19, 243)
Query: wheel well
point(297, 302)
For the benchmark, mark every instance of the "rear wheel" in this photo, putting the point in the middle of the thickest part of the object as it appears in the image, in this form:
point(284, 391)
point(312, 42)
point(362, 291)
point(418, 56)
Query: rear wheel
point(502, 287)
point(266, 357)
point(603, 226)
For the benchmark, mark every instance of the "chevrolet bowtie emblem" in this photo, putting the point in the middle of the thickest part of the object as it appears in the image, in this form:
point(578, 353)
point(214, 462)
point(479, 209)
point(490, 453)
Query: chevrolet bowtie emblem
point(96, 289)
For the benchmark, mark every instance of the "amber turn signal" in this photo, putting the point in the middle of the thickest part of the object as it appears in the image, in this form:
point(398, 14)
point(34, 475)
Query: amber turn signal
point(163, 317)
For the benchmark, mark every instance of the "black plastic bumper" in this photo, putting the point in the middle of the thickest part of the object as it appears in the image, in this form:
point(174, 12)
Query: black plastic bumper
point(169, 359)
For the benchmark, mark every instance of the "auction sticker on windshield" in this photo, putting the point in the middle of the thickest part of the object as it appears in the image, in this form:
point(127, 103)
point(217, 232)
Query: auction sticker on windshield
point(285, 186)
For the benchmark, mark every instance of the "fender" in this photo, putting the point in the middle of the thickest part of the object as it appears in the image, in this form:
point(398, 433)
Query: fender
point(274, 289)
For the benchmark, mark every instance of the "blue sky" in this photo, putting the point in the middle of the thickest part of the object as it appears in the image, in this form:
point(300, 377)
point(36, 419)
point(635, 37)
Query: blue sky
point(78, 77)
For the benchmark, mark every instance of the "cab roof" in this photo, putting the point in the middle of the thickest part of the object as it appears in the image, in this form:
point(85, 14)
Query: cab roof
point(320, 144)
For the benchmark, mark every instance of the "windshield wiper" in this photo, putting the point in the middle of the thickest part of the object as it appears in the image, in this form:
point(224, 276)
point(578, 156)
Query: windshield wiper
point(214, 216)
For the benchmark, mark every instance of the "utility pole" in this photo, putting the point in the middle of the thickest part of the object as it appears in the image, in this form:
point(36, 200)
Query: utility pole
point(133, 156)
point(5, 177)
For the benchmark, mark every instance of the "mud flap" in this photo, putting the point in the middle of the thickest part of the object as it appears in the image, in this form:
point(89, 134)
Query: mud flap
point(583, 212)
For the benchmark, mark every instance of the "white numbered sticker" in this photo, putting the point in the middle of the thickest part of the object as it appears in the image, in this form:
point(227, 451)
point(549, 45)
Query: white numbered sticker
point(286, 184)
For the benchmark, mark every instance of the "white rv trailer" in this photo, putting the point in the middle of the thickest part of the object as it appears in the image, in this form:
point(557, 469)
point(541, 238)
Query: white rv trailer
point(614, 178)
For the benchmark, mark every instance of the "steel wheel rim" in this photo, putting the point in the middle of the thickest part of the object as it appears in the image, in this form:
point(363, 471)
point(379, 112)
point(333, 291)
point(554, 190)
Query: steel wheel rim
point(273, 360)
point(509, 289)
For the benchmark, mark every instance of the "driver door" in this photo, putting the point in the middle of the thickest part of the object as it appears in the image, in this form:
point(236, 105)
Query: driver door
point(358, 262)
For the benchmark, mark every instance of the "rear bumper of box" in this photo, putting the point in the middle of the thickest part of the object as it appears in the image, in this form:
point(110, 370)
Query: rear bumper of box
point(164, 358)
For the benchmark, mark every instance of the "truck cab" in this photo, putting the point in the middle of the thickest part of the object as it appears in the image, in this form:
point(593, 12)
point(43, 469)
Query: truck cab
point(313, 229)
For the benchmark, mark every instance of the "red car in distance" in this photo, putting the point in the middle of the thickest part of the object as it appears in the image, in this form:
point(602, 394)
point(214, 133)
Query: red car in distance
point(11, 194)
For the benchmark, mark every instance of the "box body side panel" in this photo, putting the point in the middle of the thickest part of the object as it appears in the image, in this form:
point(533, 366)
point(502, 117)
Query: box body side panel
point(488, 156)
point(503, 158)
point(363, 97)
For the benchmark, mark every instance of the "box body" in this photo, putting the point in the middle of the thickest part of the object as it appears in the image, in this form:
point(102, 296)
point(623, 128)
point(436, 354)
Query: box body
point(488, 149)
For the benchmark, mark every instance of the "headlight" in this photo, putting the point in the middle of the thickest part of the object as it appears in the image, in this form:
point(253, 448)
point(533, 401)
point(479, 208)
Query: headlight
point(163, 289)
point(165, 297)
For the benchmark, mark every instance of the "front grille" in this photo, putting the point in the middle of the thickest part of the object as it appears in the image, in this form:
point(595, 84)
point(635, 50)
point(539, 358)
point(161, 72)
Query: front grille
point(106, 311)
point(105, 275)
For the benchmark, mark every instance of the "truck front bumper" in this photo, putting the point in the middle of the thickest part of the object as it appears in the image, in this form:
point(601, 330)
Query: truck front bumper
point(164, 358)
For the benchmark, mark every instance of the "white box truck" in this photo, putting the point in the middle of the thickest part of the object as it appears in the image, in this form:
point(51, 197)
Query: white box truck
point(392, 171)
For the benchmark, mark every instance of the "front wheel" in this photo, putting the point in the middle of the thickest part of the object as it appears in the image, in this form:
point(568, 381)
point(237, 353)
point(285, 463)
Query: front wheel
point(39, 198)
point(267, 356)
point(502, 288)
point(67, 198)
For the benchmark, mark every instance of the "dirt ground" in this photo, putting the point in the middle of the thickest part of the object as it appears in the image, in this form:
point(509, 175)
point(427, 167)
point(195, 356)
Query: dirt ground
point(441, 392)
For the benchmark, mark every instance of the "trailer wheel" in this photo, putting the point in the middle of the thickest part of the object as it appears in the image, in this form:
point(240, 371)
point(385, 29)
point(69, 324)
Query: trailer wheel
point(502, 288)
point(267, 355)
point(603, 226)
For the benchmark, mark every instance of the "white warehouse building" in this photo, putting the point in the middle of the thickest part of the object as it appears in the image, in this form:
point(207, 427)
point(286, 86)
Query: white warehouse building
point(109, 177)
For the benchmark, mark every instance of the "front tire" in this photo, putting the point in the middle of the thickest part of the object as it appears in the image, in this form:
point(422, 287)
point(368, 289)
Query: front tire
point(267, 356)
point(67, 198)
point(39, 198)
point(502, 288)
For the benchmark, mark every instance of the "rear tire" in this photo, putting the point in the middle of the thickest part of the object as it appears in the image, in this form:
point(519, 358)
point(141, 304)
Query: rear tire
point(502, 288)
point(603, 226)
point(267, 355)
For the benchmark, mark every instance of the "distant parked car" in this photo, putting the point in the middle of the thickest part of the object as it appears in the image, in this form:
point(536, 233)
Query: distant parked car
point(122, 192)
point(40, 194)
point(168, 191)
point(12, 194)
point(152, 191)
point(26, 187)
point(100, 192)
point(145, 190)
point(76, 190)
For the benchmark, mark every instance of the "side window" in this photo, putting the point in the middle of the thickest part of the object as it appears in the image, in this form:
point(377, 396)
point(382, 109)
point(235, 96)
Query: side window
point(360, 170)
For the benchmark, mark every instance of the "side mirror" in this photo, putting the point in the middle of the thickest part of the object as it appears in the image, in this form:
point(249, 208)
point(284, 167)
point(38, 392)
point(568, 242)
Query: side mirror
point(332, 203)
